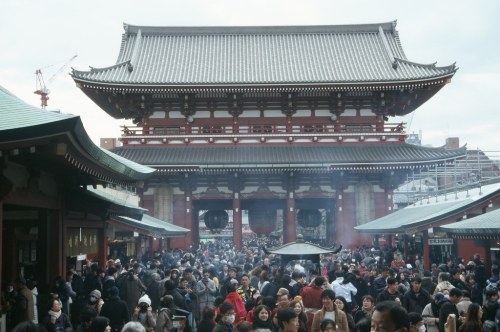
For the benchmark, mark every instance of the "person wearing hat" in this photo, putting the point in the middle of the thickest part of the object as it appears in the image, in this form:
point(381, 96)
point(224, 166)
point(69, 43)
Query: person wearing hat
point(163, 320)
point(116, 310)
point(95, 301)
point(416, 298)
point(143, 313)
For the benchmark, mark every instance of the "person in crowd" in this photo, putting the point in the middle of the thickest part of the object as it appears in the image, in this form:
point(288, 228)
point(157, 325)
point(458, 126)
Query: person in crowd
point(416, 322)
point(464, 303)
point(328, 325)
point(55, 320)
point(133, 327)
point(227, 318)
point(205, 290)
point(100, 324)
point(379, 284)
point(342, 305)
point(95, 300)
point(132, 288)
point(288, 320)
point(298, 307)
point(116, 310)
point(450, 307)
point(366, 310)
point(416, 298)
point(164, 317)
point(86, 316)
point(490, 308)
point(430, 313)
point(246, 291)
point(207, 322)
point(143, 313)
point(390, 316)
point(261, 320)
point(476, 294)
point(329, 310)
point(472, 321)
point(346, 289)
point(22, 304)
point(444, 284)
point(428, 283)
point(299, 284)
point(363, 325)
point(180, 321)
point(233, 298)
point(391, 292)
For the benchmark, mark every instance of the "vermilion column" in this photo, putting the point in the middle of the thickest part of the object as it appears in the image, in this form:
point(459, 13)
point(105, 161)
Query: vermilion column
point(237, 226)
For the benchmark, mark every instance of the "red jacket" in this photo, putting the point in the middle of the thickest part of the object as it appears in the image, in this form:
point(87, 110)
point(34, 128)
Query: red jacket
point(239, 306)
point(311, 296)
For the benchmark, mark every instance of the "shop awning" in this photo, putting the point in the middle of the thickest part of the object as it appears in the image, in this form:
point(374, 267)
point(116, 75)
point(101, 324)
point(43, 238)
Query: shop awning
point(484, 226)
point(150, 226)
point(432, 211)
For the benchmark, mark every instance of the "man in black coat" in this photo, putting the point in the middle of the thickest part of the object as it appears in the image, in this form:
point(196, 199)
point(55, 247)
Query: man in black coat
point(116, 310)
point(416, 298)
point(450, 307)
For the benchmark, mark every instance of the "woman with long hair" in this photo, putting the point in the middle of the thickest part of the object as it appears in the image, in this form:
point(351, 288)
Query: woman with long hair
point(298, 307)
point(472, 321)
point(342, 304)
point(261, 320)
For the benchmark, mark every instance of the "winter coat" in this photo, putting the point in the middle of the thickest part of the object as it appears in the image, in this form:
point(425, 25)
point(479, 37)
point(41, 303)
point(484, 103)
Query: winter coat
point(205, 296)
point(164, 321)
point(414, 303)
point(116, 310)
point(239, 307)
point(132, 290)
point(340, 321)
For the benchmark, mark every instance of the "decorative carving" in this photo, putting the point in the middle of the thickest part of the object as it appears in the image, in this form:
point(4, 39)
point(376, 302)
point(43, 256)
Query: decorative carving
point(235, 104)
point(289, 103)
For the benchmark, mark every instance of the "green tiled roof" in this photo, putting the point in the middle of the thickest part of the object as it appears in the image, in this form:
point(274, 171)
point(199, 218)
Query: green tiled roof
point(430, 210)
point(20, 122)
point(152, 225)
point(487, 223)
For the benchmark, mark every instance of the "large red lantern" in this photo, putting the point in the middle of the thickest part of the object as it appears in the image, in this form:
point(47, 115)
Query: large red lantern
point(216, 220)
point(309, 218)
point(262, 221)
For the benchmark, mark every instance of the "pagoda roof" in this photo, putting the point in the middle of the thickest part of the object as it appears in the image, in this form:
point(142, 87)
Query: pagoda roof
point(23, 126)
point(336, 55)
point(348, 156)
point(432, 211)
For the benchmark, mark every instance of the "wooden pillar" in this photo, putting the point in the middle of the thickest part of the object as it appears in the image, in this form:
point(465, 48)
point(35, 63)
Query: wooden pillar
point(405, 246)
point(425, 245)
point(103, 246)
point(237, 225)
point(189, 216)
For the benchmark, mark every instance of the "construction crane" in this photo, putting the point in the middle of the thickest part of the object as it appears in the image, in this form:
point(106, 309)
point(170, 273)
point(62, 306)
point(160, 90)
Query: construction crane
point(41, 86)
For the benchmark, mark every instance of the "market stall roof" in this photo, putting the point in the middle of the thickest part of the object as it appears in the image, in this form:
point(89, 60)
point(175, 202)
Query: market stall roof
point(300, 247)
point(149, 226)
point(486, 225)
point(57, 142)
point(433, 210)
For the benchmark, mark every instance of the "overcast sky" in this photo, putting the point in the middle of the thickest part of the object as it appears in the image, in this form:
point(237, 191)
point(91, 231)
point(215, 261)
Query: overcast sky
point(46, 34)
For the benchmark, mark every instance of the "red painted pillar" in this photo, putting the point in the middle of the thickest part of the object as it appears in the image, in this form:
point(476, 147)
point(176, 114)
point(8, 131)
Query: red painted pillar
point(237, 225)
point(290, 234)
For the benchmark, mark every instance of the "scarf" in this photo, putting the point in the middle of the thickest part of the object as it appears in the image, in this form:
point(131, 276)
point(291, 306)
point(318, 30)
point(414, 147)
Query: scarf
point(55, 314)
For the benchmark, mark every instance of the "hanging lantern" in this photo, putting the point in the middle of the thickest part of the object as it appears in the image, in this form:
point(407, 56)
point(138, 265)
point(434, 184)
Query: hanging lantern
point(262, 221)
point(309, 218)
point(216, 220)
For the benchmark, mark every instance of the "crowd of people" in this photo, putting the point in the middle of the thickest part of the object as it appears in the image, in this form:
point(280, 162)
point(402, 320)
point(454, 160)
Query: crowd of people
point(218, 289)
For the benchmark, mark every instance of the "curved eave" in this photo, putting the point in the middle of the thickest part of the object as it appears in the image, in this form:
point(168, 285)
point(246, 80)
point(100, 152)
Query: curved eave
point(265, 86)
point(484, 225)
point(422, 214)
point(304, 248)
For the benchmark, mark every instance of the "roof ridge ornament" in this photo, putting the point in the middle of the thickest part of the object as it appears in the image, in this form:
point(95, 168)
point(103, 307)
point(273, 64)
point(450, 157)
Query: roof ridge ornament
point(135, 51)
point(388, 51)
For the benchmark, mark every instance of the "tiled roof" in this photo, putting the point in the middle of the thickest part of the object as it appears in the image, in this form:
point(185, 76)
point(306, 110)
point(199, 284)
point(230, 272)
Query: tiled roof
point(337, 54)
point(314, 155)
point(487, 223)
point(152, 226)
point(300, 247)
point(430, 210)
point(20, 121)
